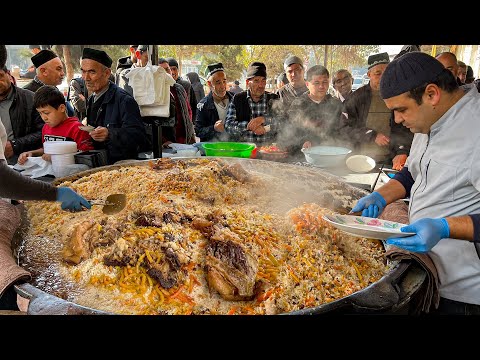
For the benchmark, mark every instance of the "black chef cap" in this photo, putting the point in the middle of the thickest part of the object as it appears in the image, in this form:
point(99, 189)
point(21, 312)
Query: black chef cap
point(408, 72)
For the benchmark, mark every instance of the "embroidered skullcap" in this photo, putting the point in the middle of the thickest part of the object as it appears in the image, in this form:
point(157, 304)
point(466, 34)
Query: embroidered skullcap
point(42, 57)
point(213, 68)
point(256, 68)
point(142, 47)
point(292, 60)
point(172, 62)
point(377, 59)
point(408, 72)
point(97, 55)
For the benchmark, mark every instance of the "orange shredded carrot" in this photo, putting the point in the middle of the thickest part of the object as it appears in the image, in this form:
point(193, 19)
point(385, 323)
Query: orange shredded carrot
point(232, 310)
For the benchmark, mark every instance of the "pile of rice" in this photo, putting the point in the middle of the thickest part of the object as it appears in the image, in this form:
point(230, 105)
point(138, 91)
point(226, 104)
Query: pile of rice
point(303, 261)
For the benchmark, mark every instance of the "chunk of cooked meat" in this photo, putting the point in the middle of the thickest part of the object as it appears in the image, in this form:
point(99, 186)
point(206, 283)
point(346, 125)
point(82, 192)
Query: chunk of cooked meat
point(237, 172)
point(77, 247)
point(122, 254)
point(231, 270)
point(166, 272)
point(203, 225)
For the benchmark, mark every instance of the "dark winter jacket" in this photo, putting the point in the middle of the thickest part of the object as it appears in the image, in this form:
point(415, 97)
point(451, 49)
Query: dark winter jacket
point(310, 121)
point(353, 130)
point(119, 112)
point(196, 85)
point(26, 121)
point(207, 116)
point(190, 94)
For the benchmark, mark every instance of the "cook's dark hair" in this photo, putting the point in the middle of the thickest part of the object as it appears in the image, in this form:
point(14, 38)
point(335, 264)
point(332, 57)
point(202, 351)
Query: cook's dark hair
point(445, 81)
point(48, 95)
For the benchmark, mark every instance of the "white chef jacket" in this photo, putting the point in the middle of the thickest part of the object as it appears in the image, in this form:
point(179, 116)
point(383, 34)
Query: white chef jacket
point(445, 165)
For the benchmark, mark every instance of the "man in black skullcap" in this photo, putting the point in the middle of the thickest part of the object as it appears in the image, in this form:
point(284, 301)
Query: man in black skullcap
point(49, 70)
point(212, 109)
point(441, 176)
point(251, 116)
point(111, 110)
point(186, 85)
point(366, 124)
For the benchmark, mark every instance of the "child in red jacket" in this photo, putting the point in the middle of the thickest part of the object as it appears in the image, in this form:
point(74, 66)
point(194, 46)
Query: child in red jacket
point(50, 103)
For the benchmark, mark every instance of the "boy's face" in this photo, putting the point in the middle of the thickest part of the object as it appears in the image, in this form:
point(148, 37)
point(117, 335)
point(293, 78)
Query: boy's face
point(53, 117)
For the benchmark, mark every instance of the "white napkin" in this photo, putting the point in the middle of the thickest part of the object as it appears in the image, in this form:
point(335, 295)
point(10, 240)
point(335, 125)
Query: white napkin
point(35, 167)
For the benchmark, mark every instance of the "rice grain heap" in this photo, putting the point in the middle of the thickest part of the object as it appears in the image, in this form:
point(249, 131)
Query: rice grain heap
point(197, 236)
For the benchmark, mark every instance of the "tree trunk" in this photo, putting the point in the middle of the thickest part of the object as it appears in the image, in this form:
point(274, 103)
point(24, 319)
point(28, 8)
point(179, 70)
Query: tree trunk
point(68, 62)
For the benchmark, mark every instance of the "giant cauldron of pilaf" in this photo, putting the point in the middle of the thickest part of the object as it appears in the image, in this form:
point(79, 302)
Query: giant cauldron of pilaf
point(200, 236)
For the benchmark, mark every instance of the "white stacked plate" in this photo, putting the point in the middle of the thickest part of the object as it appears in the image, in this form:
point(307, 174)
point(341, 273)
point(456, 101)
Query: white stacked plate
point(62, 153)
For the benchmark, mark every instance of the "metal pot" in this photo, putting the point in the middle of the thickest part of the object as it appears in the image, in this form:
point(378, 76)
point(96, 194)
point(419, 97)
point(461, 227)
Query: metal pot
point(305, 184)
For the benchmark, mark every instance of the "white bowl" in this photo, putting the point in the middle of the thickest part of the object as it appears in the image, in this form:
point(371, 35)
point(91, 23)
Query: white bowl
point(59, 147)
point(360, 163)
point(326, 156)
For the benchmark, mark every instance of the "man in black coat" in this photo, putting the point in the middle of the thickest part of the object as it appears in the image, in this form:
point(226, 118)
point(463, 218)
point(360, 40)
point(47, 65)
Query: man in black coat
point(367, 123)
point(111, 110)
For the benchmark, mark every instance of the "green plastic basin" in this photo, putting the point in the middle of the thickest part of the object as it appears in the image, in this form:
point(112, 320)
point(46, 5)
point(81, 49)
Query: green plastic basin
point(232, 149)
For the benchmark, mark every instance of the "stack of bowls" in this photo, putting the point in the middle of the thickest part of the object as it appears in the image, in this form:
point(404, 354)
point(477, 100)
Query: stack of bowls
point(62, 153)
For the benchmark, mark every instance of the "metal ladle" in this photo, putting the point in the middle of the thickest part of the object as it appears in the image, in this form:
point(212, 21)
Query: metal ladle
point(113, 204)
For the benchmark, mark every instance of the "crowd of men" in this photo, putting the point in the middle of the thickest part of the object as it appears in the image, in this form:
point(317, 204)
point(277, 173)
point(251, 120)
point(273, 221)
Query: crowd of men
point(300, 113)
point(413, 94)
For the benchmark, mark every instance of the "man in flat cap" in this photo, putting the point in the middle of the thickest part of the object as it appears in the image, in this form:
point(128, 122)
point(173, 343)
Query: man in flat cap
point(366, 124)
point(49, 70)
point(111, 110)
point(173, 63)
point(441, 176)
point(251, 116)
point(212, 109)
point(296, 86)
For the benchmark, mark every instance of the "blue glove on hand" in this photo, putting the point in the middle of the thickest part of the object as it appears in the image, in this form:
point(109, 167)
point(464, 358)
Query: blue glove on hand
point(71, 200)
point(371, 205)
point(429, 233)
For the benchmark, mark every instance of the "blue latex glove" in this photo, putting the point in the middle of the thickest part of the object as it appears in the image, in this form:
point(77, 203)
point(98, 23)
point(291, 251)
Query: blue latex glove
point(371, 205)
point(71, 200)
point(429, 233)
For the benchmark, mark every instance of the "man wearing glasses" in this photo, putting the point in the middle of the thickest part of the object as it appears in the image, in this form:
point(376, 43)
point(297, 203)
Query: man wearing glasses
point(342, 83)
